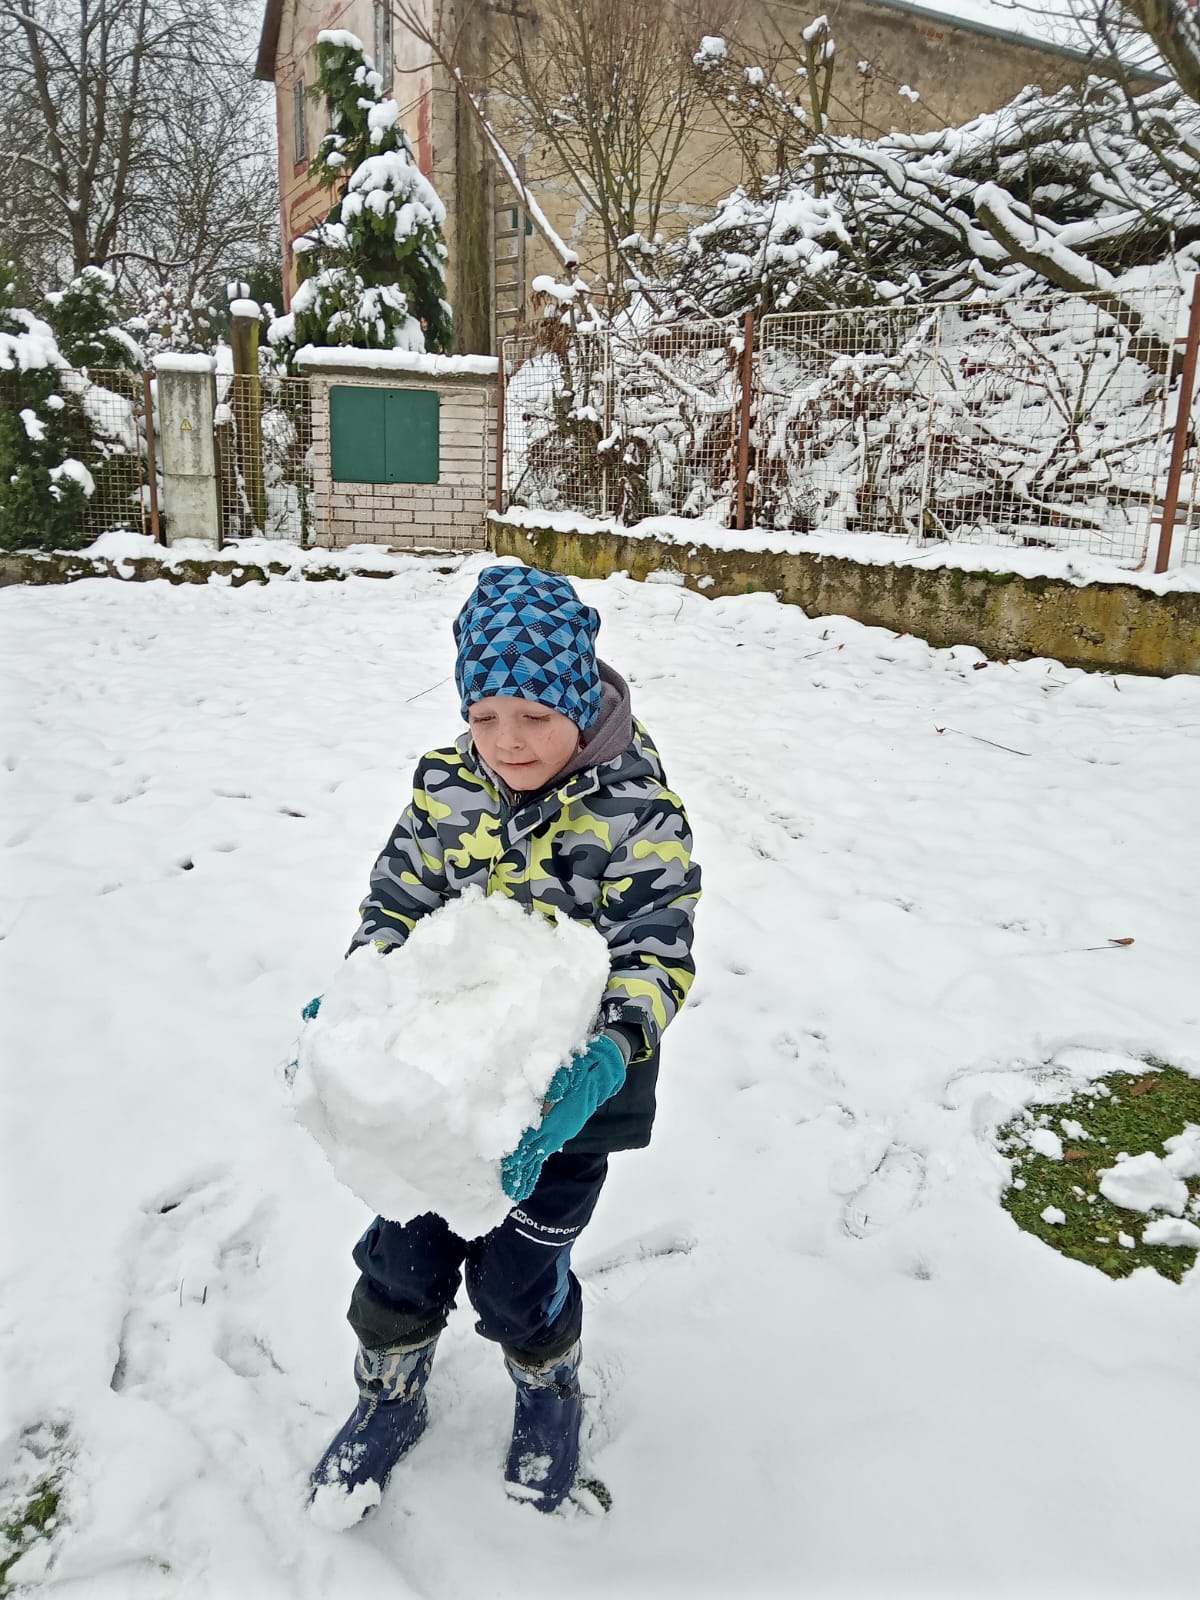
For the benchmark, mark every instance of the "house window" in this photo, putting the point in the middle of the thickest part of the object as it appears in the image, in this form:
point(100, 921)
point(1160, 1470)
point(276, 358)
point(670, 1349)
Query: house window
point(383, 41)
point(299, 122)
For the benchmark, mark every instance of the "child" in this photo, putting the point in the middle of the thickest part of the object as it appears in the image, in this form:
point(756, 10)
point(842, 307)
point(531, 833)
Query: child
point(556, 798)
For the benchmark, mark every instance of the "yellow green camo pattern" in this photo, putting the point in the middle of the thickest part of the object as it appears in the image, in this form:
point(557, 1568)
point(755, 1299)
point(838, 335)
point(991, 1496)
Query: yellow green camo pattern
point(611, 846)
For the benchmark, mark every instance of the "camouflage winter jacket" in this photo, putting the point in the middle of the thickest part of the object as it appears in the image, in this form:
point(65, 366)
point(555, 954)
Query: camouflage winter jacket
point(607, 842)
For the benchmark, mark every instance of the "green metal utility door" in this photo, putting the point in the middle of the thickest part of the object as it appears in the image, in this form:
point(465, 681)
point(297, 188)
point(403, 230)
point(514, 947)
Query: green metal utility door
point(383, 435)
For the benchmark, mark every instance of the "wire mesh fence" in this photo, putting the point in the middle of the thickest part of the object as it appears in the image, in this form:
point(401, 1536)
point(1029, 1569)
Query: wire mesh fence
point(1037, 423)
point(557, 436)
point(1189, 549)
point(624, 422)
point(264, 447)
point(676, 395)
point(90, 433)
point(842, 420)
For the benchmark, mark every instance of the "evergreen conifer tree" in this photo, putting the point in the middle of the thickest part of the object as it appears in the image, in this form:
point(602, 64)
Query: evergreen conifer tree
point(43, 490)
point(86, 320)
point(372, 275)
point(70, 446)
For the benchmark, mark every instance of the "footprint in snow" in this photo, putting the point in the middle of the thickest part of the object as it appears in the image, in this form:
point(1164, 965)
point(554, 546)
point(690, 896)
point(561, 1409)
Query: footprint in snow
point(890, 1192)
point(606, 1406)
point(193, 1253)
point(620, 1273)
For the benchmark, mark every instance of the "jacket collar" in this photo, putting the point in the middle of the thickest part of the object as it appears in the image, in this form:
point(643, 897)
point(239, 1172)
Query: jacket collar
point(635, 758)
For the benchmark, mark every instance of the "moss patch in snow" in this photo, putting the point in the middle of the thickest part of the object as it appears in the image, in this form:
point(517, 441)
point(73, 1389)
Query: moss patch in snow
point(1128, 1112)
point(35, 1519)
point(30, 1496)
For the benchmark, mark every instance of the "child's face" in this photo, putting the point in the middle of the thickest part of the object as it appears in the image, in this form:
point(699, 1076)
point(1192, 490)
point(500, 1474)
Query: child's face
point(526, 743)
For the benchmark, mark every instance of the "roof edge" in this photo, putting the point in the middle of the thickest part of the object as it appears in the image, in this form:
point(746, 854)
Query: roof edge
point(1043, 46)
point(268, 42)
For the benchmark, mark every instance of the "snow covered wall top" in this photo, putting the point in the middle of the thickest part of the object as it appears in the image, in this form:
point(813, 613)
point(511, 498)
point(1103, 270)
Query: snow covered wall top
point(314, 358)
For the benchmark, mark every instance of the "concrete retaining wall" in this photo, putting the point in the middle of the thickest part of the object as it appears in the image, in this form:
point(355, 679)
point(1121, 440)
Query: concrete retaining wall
point(39, 569)
point(1110, 627)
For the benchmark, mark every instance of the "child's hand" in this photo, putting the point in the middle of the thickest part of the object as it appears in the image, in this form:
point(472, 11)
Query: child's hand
point(592, 1076)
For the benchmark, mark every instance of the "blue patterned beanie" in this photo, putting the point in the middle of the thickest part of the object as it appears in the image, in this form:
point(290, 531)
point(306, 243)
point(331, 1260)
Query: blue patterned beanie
point(527, 633)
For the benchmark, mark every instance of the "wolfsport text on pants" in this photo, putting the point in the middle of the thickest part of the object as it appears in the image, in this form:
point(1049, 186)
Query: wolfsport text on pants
point(518, 1277)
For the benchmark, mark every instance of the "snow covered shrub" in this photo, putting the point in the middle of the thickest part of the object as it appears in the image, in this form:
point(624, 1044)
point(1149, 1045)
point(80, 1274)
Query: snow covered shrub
point(69, 447)
point(372, 275)
point(172, 318)
point(43, 489)
point(86, 319)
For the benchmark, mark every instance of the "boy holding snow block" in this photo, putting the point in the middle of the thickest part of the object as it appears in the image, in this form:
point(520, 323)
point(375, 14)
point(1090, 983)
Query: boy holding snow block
point(555, 797)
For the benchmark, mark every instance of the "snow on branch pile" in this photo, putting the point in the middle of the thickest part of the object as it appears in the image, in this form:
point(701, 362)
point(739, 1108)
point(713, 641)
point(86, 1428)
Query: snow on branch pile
point(1091, 189)
point(1022, 422)
point(1009, 292)
point(626, 416)
point(1016, 422)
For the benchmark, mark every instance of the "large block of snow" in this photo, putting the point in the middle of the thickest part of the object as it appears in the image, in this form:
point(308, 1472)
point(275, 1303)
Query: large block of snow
point(425, 1066)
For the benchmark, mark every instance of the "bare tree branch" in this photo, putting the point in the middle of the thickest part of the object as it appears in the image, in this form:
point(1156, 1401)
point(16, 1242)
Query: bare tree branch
point(92, 94)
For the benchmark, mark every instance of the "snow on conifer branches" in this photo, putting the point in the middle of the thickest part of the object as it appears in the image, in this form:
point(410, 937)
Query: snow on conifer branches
point(373, 274)
point(71, 444)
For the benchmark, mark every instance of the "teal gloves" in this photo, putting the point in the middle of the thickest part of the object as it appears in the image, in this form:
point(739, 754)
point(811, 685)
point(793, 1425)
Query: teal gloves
point(293, 1066)
point(592, 1076)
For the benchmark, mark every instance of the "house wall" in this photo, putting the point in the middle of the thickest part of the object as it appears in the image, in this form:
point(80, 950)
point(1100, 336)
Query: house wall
point(447, 515)
point(957, 72)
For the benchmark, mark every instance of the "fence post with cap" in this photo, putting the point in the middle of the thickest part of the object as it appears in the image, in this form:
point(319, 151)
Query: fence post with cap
point(151, 458)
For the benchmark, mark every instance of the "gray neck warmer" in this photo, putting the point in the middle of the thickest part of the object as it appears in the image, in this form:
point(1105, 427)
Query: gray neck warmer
point(612, 732)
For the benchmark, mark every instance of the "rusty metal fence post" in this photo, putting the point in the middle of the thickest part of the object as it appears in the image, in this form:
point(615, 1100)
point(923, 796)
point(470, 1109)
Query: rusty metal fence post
point(1179, 432)
point(498, 497)
point(746, 376)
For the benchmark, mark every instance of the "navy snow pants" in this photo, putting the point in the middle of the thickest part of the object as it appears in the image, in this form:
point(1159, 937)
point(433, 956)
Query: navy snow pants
point(519, 1277)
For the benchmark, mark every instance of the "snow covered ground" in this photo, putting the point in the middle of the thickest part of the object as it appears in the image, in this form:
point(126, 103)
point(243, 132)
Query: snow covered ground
point(823, 1360)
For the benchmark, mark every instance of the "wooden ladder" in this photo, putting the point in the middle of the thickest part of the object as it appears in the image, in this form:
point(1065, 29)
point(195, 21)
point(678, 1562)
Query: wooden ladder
point(510, 230)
